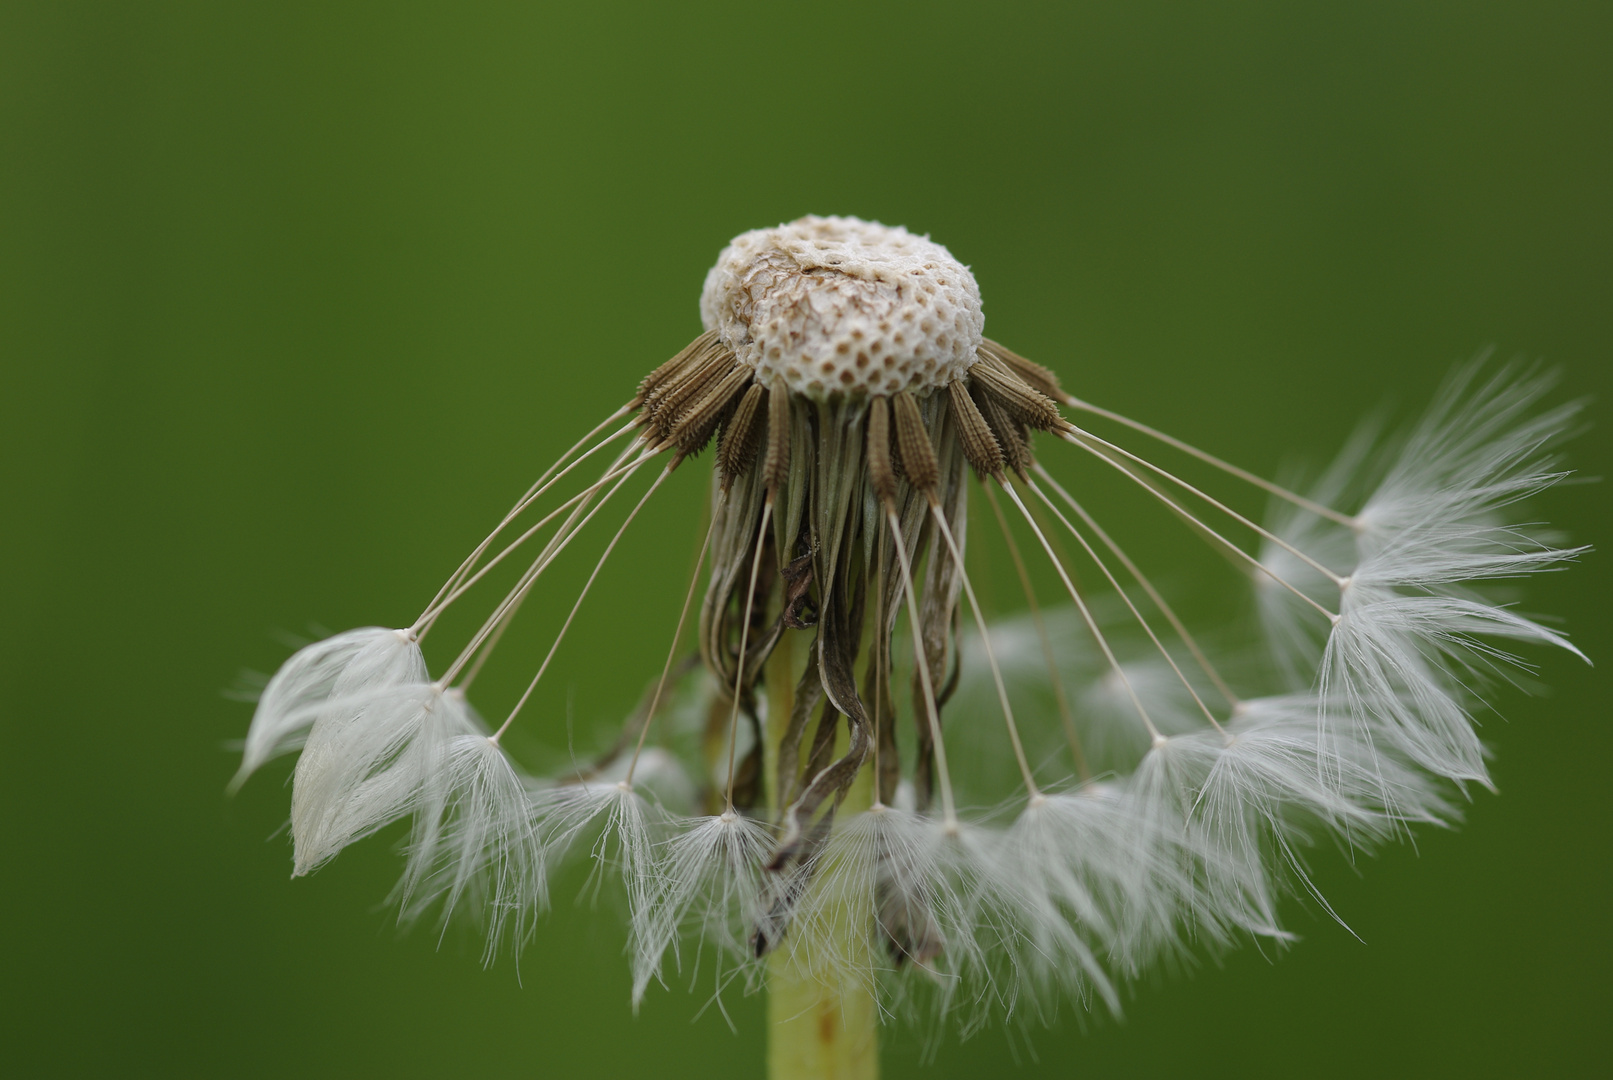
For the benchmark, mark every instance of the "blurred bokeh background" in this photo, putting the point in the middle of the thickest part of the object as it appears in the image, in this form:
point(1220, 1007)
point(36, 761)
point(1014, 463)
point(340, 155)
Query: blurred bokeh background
point(295, 297)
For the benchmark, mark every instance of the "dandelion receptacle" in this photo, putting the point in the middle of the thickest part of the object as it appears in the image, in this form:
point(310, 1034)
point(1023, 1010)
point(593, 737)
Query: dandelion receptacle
point(849, 784)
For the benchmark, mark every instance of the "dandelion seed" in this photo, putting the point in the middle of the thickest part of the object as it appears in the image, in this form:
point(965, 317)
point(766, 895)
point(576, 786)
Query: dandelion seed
point(858, 790)
point(346, 666)
point(475, 840)
point(708, 885)
point(369, 760)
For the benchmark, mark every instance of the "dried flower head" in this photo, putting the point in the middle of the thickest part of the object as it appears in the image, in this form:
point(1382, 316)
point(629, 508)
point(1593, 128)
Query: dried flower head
point(862, 789)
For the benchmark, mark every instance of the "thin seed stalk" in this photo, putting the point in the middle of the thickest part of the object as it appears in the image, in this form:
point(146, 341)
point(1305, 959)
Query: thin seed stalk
point(822, 1024)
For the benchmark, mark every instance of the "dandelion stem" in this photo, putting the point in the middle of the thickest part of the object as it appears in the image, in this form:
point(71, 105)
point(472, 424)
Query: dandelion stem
point(823, 1017)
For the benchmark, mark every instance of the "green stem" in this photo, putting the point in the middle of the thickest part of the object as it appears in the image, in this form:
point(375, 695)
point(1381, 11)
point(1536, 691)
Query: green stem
point(822, 1023)
point(819, 1028)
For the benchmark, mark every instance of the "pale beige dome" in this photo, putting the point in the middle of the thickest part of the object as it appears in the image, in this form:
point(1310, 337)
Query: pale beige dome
point(840, 305)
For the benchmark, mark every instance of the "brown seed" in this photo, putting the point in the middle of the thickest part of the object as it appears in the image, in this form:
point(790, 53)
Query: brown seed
point(881, 473)
point(662, 408)
point(1011, 435)
point(1040, 378)
point(776, 465)
point(1017, 397)
point(979, 445)
point(693, 427)
point(657, 378)
point(923, 471)
point(741, 438)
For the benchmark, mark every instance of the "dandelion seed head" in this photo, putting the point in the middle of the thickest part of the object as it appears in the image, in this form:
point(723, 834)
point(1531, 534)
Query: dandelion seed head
point(850, 777)
point(835, 305)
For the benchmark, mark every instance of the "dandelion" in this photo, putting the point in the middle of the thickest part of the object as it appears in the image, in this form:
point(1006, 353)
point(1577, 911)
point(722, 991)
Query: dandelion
point(863, 794)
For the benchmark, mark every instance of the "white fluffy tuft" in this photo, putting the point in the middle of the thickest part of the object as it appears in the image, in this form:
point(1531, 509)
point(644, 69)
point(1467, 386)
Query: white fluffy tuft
point(1413, 643)
point(475, 843)
point(367, 762)
point(353, 663)
point(708, 885)
point(613, 823)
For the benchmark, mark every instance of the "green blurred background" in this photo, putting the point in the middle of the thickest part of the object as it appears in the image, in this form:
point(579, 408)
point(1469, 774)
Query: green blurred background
point(297, 296)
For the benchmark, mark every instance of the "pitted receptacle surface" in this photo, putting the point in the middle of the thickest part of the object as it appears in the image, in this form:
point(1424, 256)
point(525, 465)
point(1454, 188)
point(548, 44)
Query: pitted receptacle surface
point(837, 305)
